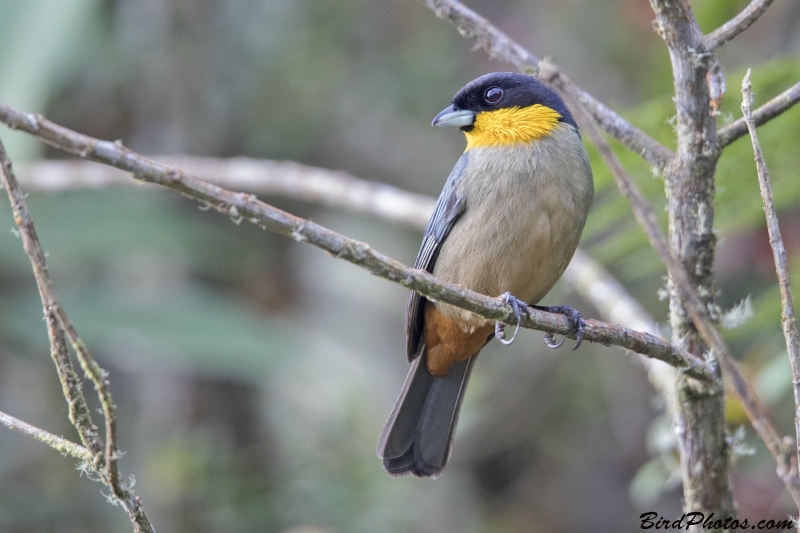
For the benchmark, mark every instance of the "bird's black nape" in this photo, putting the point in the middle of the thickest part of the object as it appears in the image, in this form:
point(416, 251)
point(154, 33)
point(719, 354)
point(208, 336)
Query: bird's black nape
point(518, 90)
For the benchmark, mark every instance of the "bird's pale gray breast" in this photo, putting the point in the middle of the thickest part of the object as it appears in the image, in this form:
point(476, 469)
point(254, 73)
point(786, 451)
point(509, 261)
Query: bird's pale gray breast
point(525, 208)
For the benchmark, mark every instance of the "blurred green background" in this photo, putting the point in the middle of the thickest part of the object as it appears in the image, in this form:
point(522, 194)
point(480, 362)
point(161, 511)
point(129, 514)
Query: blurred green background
point(253, 374)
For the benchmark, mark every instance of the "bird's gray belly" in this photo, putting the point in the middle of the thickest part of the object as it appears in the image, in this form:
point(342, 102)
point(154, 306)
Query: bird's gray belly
point(517, 236)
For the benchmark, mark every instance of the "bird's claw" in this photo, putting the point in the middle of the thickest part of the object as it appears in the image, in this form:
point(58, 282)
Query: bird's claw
point(578, 324)
point(550, 341)
point(517, 305)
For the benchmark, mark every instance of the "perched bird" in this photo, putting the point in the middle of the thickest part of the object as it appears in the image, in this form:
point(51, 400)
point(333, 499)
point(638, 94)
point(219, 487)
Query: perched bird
point(507, 221)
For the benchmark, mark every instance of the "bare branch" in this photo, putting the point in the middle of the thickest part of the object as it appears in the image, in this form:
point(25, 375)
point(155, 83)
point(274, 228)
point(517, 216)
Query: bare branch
point(285, 178)
point(697, 311)
point(247, 206)
point(471, 25)
point(689, 187)
point(736, 25)
point(54, 317)
point(778, 251)
point(101, 385)
point(60, 444)
point(499, 45)
point(338, 189)
point(78, 410)
point(772, 109)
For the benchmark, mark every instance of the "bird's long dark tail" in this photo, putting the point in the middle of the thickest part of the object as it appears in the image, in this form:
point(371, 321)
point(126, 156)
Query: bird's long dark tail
point(419, 433)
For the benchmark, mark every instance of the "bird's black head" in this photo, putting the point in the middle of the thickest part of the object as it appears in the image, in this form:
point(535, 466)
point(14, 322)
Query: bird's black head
point(505, 107)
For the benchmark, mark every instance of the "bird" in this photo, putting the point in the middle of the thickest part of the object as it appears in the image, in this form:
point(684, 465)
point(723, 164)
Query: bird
point(507, 221)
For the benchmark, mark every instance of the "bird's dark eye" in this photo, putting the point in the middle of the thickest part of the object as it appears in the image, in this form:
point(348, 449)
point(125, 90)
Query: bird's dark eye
point(493, 95)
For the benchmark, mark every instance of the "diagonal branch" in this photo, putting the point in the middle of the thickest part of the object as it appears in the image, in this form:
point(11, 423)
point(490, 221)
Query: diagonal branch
point(60, 444)
point(736, 25)
point(499, 45)
point(341, 190)
point(774, 108)
point(56, 321)
point(778, 251)
point(246, 206)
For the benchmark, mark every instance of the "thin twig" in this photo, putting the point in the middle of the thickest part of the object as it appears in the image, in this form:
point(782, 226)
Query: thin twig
point(778, 251)
point(56, 321)
point(246, 206)
point(763, 114)
point(101, 384)
point(736, 25)
point(60, 444)
point(499, 45)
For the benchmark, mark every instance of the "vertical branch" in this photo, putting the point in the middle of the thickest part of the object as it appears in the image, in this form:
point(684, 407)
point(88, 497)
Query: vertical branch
point(79, 413)
point(101, 384)
point(689, 183)
point(56, 320)
point(698, 312)
point(788, 321)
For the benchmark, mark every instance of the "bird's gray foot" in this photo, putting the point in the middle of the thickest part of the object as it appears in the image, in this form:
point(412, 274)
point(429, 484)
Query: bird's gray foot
point(578, 324)
point(519, 307)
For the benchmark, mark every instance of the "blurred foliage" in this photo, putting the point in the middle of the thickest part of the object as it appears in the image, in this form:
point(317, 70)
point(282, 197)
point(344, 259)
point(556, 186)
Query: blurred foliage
point(252, 374)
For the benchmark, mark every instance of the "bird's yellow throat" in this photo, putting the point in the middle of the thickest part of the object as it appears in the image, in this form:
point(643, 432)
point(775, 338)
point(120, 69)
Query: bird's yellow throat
point(511, 125)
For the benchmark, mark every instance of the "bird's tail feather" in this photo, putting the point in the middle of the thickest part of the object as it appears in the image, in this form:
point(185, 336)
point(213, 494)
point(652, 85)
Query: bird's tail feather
point(419, 433)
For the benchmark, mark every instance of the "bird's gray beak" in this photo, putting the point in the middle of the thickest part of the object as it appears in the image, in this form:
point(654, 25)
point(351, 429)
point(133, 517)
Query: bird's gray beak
point(450, 117)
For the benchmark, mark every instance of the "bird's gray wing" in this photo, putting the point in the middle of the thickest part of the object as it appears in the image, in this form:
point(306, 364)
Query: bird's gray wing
point(448, 209)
